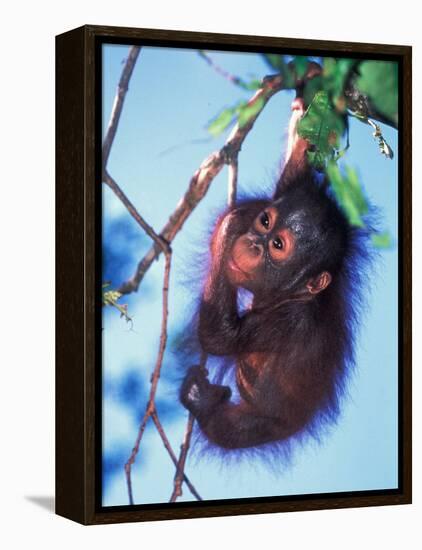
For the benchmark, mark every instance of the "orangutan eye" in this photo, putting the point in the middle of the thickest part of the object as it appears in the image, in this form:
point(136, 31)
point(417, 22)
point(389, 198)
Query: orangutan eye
point(278, 243)
point(265, 220)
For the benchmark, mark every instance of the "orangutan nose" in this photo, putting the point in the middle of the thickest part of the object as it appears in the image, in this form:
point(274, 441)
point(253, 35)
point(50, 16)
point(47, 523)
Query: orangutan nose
point(255, 247)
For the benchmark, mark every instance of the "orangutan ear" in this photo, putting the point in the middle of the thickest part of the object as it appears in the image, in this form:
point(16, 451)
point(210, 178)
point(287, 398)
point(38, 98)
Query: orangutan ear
point(320, 283)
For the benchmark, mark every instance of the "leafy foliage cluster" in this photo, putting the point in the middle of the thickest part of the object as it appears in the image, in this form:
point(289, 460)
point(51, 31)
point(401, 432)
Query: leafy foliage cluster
point(110, 297)
point(340, 89)
point(333, 89)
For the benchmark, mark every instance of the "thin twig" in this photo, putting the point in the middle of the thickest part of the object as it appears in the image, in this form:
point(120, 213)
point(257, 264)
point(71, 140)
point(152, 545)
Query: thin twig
point(162, 246)
point(114, 186)
point(198, 187)
point(150, 409)
point(170, 451)
point(131, 460)
point(119, 99)
point(202, 179)
point(236, 80)
point(270, 86)
point(177, 491)
point(232, 182)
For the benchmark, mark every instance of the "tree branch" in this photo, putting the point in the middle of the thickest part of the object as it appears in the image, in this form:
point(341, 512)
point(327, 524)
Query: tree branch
point(119, 99)
point(114, 186)
point(162, 246)
point(173, 457)
point(202, 179)
point(236, 80)
point(184, 448)
point(150, 409)
point(360, 103)
point(232, 183)
point(198, 187)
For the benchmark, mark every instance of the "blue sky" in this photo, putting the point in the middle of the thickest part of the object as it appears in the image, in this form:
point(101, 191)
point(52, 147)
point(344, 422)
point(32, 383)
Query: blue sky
point(160, 143)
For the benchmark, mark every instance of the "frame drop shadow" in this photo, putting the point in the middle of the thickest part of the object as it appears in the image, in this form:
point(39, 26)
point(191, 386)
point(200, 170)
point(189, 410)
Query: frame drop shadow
point(46, 502)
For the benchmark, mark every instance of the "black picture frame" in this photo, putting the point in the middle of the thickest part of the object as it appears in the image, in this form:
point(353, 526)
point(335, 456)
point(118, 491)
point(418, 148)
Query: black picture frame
point(78, 275)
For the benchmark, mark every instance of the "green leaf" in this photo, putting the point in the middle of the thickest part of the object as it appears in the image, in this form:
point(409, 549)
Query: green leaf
point(382, 240)
point(224, 119)
point(253, 84)
point(301, 65)
point(312, 87)
point(249, 111)
point(348, 192)
point(379, 81)
point(355, 190)
point(221, 122)
point(322, 126)
point(275, 61)
point(333, 81)
point(242, 110)
point(336, 73)
point(278, 64)
point(110, 298)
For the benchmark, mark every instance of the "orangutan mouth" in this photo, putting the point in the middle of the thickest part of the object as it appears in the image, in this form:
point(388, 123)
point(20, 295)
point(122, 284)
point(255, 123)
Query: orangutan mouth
point(233, 266)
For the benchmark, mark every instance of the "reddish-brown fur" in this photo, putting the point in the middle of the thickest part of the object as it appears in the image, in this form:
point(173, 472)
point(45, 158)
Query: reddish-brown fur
point(292, 349)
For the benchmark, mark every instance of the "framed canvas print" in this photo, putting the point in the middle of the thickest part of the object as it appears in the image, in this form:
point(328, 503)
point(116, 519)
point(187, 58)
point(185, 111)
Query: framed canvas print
point(233, 274)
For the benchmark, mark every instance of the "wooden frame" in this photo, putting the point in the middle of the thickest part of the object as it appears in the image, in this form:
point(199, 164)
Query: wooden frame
point(78, 179)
